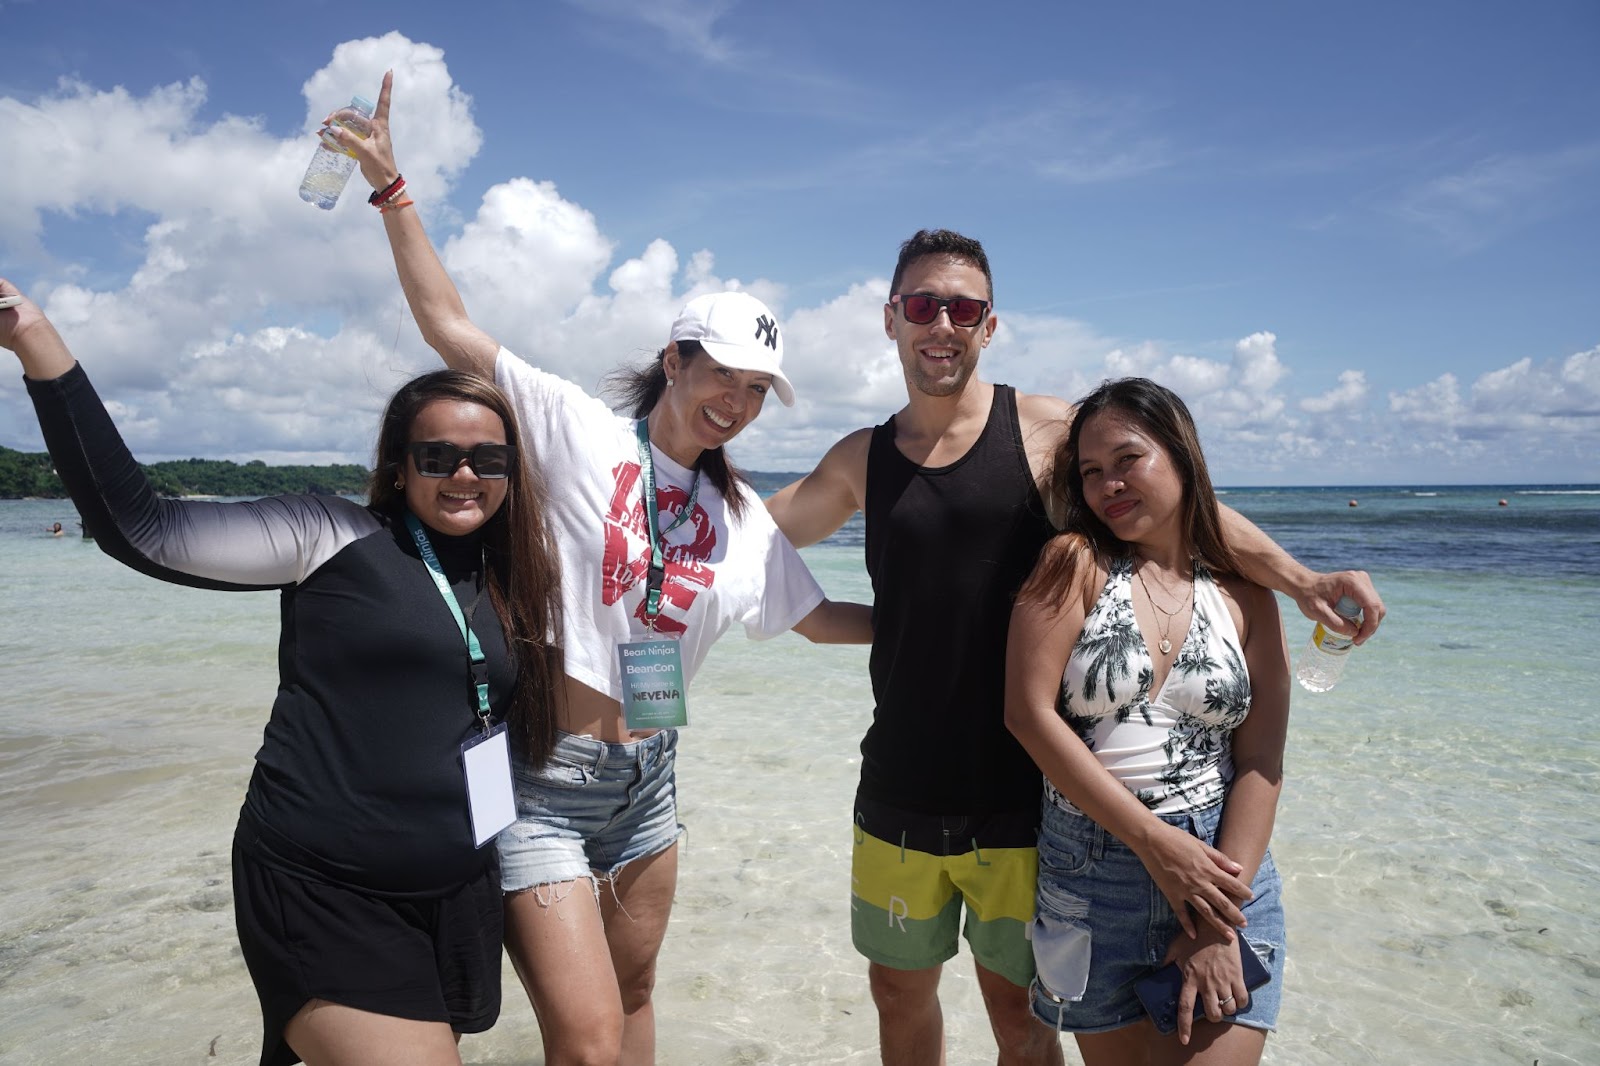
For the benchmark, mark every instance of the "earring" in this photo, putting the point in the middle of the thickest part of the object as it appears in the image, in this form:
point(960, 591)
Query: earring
point(399, 483)
point(669, 383)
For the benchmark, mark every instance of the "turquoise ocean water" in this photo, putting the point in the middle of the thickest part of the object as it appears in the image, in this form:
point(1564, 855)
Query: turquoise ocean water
point(1437, 832)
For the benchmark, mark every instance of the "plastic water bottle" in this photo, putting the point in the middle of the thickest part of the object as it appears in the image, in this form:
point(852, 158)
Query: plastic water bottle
point(1323, 660)
point(331, 165)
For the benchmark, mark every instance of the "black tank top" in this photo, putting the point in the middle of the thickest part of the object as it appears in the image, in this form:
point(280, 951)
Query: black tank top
point(947, 549)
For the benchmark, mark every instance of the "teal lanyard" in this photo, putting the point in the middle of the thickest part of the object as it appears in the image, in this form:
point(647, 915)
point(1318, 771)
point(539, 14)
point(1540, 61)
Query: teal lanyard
point(658, 563)
point(479, 665)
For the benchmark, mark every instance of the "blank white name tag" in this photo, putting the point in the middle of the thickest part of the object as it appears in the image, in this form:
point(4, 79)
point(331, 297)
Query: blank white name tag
point(486, 761)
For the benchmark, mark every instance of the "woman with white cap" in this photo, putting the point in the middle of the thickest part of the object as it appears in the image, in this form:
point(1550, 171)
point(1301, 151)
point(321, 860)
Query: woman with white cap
point(663, 546)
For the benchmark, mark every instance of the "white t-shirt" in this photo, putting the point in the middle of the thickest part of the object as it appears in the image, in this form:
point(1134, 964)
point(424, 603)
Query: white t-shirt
point(719, 571)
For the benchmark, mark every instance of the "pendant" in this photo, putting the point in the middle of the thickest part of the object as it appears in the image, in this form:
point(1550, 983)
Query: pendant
point(1166, 646)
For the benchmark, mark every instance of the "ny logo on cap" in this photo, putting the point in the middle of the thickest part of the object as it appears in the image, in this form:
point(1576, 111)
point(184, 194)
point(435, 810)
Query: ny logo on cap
point(770, 328)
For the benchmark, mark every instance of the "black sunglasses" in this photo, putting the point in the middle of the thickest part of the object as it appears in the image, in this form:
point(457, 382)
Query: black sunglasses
point(920, 309)
point(437, 458)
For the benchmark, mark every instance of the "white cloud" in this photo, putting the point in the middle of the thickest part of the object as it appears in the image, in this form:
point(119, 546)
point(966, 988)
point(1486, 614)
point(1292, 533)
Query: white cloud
point(686, 25)
point(1350, 393)
point(1476, 205)
point(252, 325)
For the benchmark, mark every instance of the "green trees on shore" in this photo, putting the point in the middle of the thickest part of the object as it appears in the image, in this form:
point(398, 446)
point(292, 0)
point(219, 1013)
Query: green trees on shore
point(32, 474)
point(25, 474)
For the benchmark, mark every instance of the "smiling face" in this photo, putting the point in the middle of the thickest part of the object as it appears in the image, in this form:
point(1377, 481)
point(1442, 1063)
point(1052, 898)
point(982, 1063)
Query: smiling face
point(1129, 480)
point(939, 358)
point(463, 502)
point(706, 406)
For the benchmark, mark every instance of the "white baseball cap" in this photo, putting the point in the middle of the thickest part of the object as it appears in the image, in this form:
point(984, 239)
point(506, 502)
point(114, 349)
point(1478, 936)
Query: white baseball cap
point(736, 330)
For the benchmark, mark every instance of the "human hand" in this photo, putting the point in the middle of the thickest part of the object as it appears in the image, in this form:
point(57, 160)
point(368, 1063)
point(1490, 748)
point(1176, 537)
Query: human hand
point(375, 152)
point(17, 311)
point(1192, 874)
point(25, 331)
point(1317, 601)
point(1212, 977)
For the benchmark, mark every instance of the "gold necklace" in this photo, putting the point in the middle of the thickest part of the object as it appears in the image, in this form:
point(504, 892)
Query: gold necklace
point(1166, 644)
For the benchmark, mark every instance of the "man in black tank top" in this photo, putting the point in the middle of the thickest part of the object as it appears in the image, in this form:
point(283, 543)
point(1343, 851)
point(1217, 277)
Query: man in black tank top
point(947, 811)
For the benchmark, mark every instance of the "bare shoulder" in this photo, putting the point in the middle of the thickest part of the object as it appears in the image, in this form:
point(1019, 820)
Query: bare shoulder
point(1040, 413)
point(816, 505)
point(852, 447)
point(1043, 421)
point(846, 460)
point(1250, 604)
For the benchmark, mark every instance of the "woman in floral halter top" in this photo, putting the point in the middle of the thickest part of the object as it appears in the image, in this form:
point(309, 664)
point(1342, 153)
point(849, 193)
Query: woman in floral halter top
point(1150, 682)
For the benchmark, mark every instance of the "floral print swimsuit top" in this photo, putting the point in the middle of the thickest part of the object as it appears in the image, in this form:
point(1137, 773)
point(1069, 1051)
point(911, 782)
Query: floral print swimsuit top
point(1173, 749)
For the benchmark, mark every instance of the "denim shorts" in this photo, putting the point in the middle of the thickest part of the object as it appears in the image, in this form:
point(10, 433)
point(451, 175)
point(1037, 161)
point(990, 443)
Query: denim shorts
point(1102, 924)
point(590, 810)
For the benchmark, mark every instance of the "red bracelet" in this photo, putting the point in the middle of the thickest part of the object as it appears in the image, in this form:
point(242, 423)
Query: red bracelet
point(377, 198)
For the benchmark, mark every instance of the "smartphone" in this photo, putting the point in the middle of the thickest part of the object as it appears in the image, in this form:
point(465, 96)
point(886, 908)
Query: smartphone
point(1159, 991)
point(9, 301)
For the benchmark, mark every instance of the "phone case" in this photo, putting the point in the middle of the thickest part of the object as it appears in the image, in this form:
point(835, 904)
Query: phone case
point(1159, 991)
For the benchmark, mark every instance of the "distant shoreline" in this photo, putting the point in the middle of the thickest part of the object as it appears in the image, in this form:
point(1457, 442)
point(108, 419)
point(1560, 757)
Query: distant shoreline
point(31, 475)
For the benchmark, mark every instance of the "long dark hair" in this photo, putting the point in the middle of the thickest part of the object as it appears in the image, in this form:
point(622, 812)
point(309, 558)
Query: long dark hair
point(1158, 411)
point(521, 570)
point(637, 390)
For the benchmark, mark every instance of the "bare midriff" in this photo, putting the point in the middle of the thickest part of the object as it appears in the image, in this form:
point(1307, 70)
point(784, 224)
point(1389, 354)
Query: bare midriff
point(594, 714)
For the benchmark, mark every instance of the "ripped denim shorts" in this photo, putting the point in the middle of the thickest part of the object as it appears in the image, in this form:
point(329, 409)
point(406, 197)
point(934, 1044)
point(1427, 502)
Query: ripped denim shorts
point(1102, 924)
point(591, 809)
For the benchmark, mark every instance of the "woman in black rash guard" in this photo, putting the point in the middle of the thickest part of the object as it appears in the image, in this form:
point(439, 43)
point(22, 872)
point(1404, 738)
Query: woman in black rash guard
point(368, 914)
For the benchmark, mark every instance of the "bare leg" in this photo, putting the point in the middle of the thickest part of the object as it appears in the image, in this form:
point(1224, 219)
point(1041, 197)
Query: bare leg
point(635, 909)
point(557, 943)
point(328, 1034)
point(1023, 1039)
point(910, 1021)
point(1210, 1044)
point(1128, 1046)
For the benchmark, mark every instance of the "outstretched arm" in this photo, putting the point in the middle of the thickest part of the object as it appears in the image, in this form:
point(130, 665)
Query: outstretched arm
point(1188, 872)
point(837, 622)
point(434, 301)
point(819, 503)
point(257, 544)
point(1269, 566)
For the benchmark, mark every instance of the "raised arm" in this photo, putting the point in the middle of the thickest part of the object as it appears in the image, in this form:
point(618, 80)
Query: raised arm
point(1044, 628)
point(1269, 566)
point(259, 544)
point(819, 503)
point(434, 301)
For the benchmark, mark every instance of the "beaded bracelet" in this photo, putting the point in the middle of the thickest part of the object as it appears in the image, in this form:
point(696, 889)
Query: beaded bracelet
point(388, 192)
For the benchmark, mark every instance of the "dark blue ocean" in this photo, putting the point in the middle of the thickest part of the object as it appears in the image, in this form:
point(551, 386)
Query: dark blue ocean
point(1553, 529)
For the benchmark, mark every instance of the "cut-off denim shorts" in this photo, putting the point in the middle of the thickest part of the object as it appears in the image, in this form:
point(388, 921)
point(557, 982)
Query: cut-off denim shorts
point(590, 810)
point(1102, 924)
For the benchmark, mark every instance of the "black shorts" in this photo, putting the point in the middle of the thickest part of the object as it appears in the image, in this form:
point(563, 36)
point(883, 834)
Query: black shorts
point(433, 960)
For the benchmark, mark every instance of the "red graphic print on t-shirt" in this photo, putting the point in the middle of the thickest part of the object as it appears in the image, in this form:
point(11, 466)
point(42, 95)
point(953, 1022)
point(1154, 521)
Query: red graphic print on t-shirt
point(627, 556)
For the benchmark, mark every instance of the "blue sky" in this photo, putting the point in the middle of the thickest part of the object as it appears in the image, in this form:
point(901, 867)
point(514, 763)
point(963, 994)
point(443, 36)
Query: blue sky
point(1360, 239)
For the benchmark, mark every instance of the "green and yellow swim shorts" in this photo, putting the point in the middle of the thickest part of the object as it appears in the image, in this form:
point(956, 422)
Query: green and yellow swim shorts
point(911, 873)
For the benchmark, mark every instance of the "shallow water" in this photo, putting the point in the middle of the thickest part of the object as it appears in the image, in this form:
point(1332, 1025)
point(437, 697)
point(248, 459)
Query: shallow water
point(1435, 834)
